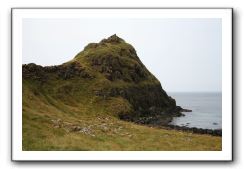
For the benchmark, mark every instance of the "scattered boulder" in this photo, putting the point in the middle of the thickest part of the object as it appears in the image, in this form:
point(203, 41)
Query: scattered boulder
point(69, 127)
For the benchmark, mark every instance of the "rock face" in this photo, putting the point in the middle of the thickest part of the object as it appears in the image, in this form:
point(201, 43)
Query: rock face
point(68, 71)
point(113, 65)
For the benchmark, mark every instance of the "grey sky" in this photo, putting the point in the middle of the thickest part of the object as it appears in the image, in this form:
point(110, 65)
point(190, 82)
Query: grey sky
point(184, 54)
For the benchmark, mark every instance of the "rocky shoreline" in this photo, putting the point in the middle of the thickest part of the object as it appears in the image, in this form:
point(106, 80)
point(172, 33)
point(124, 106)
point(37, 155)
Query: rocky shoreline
point(213, 132)
point(164, 122)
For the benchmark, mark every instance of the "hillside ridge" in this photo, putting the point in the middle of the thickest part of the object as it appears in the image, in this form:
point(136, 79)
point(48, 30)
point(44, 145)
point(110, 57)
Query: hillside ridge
point(115, 64)
point(99, 101)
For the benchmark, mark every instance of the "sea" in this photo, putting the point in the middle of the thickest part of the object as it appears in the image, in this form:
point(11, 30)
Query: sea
point(206, 110)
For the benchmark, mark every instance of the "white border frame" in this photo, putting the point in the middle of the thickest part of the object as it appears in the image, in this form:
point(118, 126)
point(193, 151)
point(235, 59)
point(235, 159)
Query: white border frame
point(18, 155)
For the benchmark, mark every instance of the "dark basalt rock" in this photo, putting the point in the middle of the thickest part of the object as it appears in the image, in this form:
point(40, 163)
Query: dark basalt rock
point(112, 39)
point(146, 100)
point(39, 73)
point(72, 70)
point(34, 72)
point(115, 68)
point(214, 132)
point(186, 110)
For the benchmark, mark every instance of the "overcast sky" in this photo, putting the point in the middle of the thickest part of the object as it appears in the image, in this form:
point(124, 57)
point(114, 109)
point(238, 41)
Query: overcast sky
point(184, 54)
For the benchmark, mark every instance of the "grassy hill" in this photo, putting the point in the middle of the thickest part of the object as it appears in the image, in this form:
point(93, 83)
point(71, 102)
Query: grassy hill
point(99, 101)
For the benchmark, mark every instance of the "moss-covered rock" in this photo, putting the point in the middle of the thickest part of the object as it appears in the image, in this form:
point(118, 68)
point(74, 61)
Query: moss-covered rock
point(109, 71)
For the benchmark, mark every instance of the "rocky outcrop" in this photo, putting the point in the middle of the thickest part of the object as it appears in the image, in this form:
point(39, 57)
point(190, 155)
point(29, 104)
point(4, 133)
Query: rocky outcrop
point(148, 101)
point(116, 68)
point(65, 71)
point(118, 61)
point(113, 65)
point(113, 39)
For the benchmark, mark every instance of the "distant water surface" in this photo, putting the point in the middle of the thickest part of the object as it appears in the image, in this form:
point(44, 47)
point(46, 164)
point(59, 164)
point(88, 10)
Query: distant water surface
point(206, 110)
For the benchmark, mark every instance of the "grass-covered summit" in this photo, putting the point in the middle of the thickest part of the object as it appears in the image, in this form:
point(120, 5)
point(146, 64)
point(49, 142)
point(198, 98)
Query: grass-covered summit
point(108, 71)
point(83, 104)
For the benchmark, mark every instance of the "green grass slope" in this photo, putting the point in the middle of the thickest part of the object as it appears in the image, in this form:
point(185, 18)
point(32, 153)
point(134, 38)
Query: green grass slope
point(79, 105)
